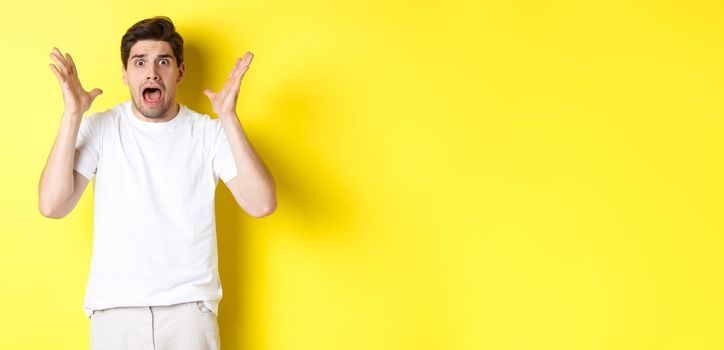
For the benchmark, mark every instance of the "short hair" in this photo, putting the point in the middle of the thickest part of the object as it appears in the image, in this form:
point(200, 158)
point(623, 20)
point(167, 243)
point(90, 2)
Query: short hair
point(156, 28)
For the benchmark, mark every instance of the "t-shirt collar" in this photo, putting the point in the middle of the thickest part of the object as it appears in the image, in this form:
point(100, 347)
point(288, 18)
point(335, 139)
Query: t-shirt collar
point(151, 126)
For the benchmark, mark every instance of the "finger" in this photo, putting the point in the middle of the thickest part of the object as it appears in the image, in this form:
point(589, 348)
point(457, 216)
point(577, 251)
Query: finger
point(234, 67)
point(59, 63)
point(58, 74)
point(60, 56)
point(71, 64)
point(231, 80)
point(232, 75)
point(94, 93)
point(242, 71)
point(244, 66)
point(247, 59)
point(240, 74)
point(244, 63)
point(237, 64)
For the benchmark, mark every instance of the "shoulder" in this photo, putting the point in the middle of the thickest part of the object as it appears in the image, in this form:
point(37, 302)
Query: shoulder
point(202, 121)
point(101, 119)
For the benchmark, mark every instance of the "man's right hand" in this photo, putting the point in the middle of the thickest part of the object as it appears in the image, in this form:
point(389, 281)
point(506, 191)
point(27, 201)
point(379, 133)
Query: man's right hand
point(77, 100)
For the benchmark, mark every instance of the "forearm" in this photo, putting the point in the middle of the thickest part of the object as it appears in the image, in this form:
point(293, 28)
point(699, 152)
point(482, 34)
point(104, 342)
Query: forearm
point(56, 182)
point(256, 184)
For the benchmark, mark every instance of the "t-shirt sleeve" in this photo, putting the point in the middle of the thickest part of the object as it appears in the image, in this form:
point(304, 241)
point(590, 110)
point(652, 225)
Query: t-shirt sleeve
point(222, 159)
point(87, 148)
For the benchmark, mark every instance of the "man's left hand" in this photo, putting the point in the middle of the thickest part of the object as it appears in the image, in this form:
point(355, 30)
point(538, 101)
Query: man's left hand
point(224, 102)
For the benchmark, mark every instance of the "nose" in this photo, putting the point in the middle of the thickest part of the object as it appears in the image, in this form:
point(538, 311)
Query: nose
point(151, 74)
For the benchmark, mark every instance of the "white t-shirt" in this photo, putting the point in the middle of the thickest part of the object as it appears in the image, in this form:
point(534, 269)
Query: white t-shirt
point(154, 239)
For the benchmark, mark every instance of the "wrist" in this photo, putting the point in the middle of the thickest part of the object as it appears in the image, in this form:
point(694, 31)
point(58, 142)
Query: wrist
point(228, 115)
point(72, 114)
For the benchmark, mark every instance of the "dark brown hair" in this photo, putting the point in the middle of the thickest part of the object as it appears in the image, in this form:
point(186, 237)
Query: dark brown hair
point(157, 28)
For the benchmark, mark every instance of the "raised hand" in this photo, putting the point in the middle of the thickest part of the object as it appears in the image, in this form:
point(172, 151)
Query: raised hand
point(77, 100)
point(224, 102)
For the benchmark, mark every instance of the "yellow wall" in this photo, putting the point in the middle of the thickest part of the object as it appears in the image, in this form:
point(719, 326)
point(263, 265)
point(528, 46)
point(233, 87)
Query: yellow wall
point(451, 175)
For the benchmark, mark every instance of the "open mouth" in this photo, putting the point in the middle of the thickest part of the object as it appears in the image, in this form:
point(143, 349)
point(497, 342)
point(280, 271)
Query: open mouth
point(152, 96)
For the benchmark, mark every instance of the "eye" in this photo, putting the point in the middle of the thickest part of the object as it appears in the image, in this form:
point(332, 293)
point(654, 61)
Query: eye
point(139, 63)
point(163, 61)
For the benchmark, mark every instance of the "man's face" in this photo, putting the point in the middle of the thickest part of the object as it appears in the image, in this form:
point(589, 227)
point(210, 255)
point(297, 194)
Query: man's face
point(151, 75)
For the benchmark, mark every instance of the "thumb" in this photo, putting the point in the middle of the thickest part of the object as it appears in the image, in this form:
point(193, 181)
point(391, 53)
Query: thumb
point(94, 93)
point(209, 93)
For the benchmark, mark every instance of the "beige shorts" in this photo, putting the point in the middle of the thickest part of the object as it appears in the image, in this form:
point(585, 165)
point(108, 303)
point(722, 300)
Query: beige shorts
point(185, 326)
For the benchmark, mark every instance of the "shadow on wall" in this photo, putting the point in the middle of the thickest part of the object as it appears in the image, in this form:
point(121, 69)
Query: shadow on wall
point(190, 91)
point(308, 190)
point(230, 220)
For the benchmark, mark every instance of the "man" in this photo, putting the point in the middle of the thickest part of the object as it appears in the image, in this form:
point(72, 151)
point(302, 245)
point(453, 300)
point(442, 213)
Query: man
point(153, 281)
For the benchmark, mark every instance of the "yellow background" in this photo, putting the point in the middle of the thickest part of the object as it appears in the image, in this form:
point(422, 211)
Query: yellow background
point(452, 175)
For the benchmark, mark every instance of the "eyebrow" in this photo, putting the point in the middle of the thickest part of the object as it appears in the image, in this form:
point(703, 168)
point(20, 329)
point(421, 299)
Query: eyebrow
point(144, 55)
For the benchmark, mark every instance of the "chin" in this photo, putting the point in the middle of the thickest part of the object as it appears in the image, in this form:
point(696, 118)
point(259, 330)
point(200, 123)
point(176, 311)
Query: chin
point(152, 114)
point(158, 112)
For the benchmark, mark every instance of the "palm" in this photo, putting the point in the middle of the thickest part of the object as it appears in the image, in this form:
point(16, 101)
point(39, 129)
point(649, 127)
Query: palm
point(75, 96)
point(224, 101)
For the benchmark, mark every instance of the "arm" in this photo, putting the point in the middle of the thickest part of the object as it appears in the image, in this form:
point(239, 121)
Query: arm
point(60, 186)
point(253, 187)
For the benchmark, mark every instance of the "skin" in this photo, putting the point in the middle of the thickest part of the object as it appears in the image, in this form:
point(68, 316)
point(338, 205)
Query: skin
point(61, 187)
point(151, 63)
point(253, 187)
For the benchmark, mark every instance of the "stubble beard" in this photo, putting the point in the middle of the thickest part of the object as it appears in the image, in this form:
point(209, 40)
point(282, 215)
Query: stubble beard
point(152, 113)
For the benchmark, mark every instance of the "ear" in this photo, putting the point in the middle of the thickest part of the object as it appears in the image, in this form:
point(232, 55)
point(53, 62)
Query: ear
point(181, 73)
point(125, 78)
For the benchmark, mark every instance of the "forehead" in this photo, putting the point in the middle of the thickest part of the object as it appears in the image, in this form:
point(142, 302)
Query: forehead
point(151, 48)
